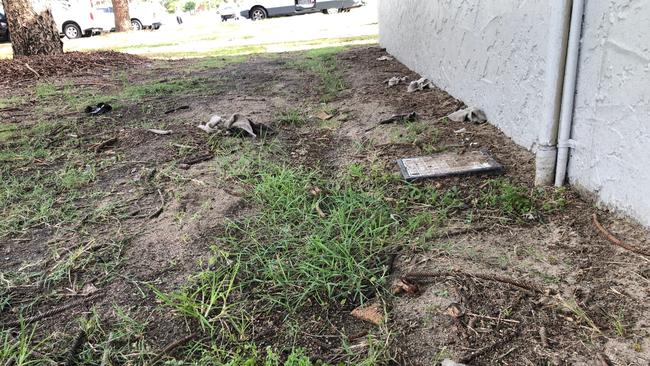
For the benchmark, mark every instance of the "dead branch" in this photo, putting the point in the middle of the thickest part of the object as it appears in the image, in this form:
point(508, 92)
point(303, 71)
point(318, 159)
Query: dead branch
point(52, 312)
point(488, 277)
point(172, 346)
point(614, 240)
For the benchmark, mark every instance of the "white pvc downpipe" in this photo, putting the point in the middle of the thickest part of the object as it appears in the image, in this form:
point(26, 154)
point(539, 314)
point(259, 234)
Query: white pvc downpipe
point(552, 94)
point(569, 92)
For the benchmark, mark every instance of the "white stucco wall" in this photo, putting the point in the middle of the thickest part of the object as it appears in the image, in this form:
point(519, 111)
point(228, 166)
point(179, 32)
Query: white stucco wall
point(612, 115)
point(492, 54)
point(488, 53)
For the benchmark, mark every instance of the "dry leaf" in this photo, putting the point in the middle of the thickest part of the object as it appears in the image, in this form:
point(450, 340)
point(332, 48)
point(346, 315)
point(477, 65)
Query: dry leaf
point(88, 289)
point(402, 285)
point(371, 313)
point(324, 116)
point(455, 310)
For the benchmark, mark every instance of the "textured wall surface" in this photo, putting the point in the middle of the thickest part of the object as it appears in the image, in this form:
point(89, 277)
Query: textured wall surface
point(612, 115)
point(491, 54)
point(488, 53)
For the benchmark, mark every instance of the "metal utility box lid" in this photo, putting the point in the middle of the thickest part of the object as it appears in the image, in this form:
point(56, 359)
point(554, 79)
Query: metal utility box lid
point(446, 164)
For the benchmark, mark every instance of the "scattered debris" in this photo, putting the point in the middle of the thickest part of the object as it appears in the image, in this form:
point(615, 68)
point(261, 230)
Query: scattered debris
point(88, 289)
point(236, 125)
point(396, 80)
point(402, 285)
point(420, 84)
point(462, 130)
point(100, 109)
point(324, 116)
point(69, 63)
point(470, 114)
point(448, 362)
point(385, 58)
point(101, 146)
point(446, 164)
point(177, 109)
point(159, 132)
point(614, 240)
point(371, 313)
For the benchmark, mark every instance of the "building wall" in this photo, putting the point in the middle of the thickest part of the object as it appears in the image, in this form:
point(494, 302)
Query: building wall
point(612, 115)
point(492, 54)
point(488, 53)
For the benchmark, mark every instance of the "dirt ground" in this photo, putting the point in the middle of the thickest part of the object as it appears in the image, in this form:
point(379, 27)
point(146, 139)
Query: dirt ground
point(104, 216)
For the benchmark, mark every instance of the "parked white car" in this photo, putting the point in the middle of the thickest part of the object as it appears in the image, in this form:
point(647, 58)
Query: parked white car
point(262, 9)
point(74, 19)
point(142, 16)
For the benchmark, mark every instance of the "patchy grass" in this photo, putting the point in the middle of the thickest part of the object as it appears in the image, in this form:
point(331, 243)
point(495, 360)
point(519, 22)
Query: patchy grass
point(293, 117)
point(322, 62)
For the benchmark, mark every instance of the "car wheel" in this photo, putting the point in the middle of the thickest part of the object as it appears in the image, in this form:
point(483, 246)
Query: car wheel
point(136, 24)
point(72, 31)
point(325, 11)
point(258, 13)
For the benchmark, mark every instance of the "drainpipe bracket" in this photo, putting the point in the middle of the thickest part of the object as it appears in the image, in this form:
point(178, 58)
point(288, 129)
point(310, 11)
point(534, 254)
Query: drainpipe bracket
point(570, 144)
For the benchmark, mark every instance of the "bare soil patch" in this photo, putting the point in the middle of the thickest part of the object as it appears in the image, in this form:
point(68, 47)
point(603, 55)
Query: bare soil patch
point(127, 221)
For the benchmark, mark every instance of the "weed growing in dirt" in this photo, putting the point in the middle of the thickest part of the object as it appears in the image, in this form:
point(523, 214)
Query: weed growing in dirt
point(512, 200)
point(322, 62)
point(20, 350)
point(311, 247)
point(293, 117)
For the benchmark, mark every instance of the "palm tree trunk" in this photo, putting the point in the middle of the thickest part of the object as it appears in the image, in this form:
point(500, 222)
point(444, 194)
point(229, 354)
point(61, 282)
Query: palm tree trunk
point(122, 17)
point(31, 33)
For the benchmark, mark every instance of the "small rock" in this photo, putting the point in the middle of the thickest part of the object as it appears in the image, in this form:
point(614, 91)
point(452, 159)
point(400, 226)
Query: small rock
point(448, 362)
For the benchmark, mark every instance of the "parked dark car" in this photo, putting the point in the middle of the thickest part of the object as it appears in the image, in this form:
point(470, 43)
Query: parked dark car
point(4, 28)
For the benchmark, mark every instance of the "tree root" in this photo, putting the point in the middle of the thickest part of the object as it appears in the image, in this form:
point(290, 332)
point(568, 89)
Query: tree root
point(488, 277)
point(172, 346)
point(614, 240)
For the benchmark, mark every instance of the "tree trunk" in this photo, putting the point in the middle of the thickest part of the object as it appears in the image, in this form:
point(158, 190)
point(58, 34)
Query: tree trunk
point(31, 33)
point(122, 17)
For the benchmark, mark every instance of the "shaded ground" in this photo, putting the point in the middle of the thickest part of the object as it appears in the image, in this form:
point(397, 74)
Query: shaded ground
point(261, 252)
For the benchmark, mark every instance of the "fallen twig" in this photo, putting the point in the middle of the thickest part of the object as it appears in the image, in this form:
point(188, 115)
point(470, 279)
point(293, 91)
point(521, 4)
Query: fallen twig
point(160, 209)
point(614, 240)
point(51, 312)
point(38, 76)
point(521, 284)
point(493, 318)
point(172, 346)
